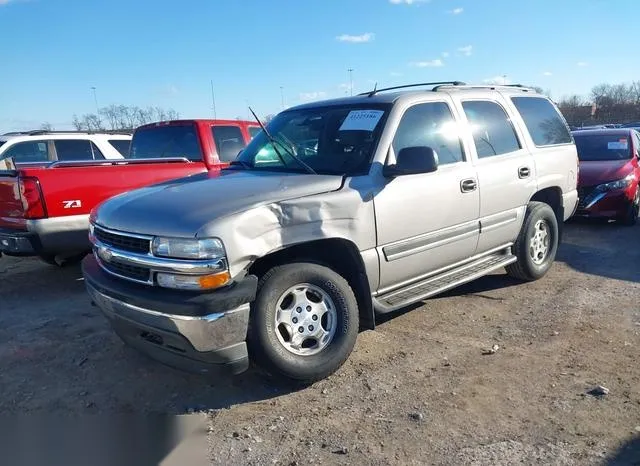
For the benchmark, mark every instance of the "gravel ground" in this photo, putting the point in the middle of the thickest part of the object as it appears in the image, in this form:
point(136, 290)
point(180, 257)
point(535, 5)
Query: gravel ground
point(417, 390)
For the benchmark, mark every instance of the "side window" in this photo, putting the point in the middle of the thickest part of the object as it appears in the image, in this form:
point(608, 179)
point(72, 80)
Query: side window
point(97, 153)
point(121, 145)
point(637, 142)
point(430, 124)
point(492, 130)
point(228, 141)
point(542, 120)
point(254, 130)
point(31, 151)
point(73, 149)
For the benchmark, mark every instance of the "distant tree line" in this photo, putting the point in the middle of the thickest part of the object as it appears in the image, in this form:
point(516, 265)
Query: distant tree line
point(121, 117)
point(607, 103)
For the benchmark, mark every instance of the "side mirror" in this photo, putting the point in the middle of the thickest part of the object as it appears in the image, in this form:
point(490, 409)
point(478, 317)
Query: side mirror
point(413, 161)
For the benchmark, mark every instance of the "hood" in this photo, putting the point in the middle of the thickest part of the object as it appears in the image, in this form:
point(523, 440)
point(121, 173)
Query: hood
point(593, 173)
point(181, 207)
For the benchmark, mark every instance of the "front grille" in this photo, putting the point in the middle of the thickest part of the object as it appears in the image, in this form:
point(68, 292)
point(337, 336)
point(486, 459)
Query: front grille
point(129, 271)
point(122, 241)
point(584, 195)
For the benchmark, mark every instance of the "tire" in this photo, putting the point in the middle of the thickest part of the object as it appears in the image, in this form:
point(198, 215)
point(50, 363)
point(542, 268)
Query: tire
point(526, 267)
point(62, 262)
point(267, 337)
point(631, 217)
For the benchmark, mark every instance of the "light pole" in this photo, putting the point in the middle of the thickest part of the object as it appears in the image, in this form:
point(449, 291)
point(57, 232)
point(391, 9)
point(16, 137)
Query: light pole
point(350, 70)
point(95, 98)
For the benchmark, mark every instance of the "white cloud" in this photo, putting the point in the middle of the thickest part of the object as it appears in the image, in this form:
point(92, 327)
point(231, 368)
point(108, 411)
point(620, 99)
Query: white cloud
point(445, 54)
point(457, 11)
point(466, 50)
point(582, 63)
point(366, 37)
point(437, 63)
point(309, 96)
point(395, 74)
point(497, 80)
point(408, 2)
point(547, 73)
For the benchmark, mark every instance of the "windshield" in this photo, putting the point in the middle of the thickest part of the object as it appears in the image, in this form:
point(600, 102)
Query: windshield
point(165, 142)
point(602, 147)
point(329, 140)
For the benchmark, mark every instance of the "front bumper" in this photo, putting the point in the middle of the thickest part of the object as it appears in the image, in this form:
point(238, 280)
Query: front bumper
point(196, 332)
point(609, 204)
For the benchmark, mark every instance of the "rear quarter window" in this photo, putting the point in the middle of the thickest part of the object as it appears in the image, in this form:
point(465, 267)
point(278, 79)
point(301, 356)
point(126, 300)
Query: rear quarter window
point(544, 123)
point(121, 145)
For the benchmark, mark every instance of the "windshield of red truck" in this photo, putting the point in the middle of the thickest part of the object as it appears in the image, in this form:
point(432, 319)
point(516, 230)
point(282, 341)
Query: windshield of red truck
point(602, 147)
point(329, 139)
point(165, 142)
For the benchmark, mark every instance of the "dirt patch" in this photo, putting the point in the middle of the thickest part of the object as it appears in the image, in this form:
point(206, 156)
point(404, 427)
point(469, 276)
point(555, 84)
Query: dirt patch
point(420, 389)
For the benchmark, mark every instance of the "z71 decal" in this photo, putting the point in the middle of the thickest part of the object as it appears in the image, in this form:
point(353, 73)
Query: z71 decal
point(75, 204)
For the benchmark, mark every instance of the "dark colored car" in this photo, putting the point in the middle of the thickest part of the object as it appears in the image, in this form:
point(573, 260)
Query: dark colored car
point(608, 181)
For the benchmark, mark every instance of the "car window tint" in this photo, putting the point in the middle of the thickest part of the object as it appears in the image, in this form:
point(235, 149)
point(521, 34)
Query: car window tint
point(29, 151)
point(73, 149)
point(492, 130)
point(542, 120)
point(121, 145)
point(432, 125)
point(229, 141)
point(254, 130)
point(97, 153)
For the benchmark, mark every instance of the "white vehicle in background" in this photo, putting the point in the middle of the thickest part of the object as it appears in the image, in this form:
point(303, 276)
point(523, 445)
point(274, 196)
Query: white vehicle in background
point(43, 146)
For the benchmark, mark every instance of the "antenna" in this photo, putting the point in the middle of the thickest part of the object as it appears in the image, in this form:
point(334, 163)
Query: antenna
point(213, 101)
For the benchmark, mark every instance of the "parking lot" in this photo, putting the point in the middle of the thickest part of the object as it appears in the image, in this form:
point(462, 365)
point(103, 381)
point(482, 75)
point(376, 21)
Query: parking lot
point(421, 389)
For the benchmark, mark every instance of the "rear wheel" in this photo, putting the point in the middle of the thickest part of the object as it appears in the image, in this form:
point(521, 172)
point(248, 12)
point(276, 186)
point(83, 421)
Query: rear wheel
point(537, 243)
point(631, 216)
point(304, 322)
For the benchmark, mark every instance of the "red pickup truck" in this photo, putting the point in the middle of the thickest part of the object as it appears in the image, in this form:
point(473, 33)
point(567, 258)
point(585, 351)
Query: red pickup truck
point(44, 207)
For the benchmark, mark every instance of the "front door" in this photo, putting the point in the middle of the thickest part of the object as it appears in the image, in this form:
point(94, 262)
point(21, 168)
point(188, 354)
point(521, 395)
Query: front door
point(427, 221)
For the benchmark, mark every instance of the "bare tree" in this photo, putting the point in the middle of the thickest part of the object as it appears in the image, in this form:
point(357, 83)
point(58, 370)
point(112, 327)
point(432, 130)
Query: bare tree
point(46, 126)
point(77, 124)
point(122, 117)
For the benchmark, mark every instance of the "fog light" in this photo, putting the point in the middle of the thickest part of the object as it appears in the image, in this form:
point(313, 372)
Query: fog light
point(193, 282)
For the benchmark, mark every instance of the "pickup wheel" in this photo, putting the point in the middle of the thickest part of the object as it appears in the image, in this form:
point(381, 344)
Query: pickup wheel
point(303, 323)
point(537, 243)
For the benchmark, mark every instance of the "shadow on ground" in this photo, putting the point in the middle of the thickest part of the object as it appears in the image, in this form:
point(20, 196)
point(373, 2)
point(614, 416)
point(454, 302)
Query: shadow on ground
point(627, 455)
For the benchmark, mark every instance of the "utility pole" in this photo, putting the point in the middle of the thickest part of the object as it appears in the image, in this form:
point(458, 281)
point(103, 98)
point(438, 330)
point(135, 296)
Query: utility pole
point(350, 70)
point(213, 102)
point(282, 97)
point(95, 99)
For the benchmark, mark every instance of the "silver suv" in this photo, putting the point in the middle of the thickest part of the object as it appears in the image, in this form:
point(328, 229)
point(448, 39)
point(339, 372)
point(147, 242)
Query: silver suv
point(338, 211)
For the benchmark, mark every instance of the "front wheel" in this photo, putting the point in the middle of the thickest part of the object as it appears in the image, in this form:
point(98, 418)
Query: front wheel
point(537, 243)
point(304, 322)
point(631, 217)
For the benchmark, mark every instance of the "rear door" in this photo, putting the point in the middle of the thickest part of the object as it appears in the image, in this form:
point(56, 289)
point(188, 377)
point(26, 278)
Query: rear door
point(505, 168)
point(68, 150)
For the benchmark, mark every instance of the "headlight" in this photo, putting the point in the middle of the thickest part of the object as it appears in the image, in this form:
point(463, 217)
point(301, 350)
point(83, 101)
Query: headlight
point(177, 248)
point(618, 184)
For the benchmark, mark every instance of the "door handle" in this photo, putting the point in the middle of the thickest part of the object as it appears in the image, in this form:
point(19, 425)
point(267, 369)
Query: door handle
point(468, 185)
point(523, 172)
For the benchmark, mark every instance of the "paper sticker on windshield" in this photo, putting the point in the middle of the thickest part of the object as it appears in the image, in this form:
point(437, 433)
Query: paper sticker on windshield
point(618, 145)
point(361, 120)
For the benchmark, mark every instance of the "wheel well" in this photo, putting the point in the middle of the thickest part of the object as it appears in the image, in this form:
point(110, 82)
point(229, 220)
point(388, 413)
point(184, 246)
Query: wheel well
point(338, 254)
point(553, 197)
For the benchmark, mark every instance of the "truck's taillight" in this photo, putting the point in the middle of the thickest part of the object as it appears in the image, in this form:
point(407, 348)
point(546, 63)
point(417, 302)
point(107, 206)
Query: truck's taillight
point(31, 197)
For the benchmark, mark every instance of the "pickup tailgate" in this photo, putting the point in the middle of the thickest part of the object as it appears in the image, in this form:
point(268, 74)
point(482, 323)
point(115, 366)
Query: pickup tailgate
point(75, 190)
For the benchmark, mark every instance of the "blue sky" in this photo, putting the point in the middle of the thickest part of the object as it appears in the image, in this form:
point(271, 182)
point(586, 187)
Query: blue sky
point(165, 52)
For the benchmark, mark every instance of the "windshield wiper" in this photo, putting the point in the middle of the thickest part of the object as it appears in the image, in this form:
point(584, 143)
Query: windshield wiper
point(274, 142)
point(242, 163)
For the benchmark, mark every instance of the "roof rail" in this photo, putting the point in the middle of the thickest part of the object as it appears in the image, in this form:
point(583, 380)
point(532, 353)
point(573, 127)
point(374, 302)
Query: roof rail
point(105, 131)
point(490, 86)
point(375, 91)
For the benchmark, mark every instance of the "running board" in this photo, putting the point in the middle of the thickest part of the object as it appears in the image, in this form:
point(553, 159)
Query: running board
point(433, 285)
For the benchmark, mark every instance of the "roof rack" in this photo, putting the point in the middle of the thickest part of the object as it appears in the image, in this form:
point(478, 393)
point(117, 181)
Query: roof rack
point(490, 86)
point(37, 132)
point(440, 83)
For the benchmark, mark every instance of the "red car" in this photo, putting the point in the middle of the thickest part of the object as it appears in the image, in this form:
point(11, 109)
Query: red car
point(608, 180)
